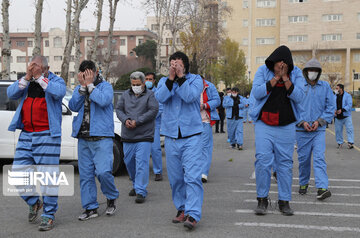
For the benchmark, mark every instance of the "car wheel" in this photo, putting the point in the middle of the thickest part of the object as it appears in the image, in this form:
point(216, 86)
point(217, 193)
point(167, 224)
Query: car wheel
point(118, 162)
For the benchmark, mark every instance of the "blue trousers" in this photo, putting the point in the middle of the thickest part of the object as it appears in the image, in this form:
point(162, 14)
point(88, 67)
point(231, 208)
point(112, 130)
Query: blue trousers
point(236, 128)
point(156, 153)
point(339, 124)
point(274, 143)
point(39, 148)
point(96, 159)
point(207, 147)
point(184, 166)
point(312, 143)
point(136, 158)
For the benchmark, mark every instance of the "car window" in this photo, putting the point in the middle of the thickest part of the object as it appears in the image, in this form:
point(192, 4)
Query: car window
point(5, 103)
point(117, 96)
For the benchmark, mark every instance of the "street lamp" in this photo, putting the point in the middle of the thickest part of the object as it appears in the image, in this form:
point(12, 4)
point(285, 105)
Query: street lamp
point(353, 81)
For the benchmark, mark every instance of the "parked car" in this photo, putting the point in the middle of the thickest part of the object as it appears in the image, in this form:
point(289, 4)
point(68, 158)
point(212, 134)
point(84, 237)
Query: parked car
point(8, 139)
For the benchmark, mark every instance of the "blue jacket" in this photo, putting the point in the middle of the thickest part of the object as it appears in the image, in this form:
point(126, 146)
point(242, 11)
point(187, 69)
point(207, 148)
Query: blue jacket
point(181, 107)
point(228, 103)
point(213, 100)
point(259, 92)
point(54, 94)
point(161, 108)
point(346, 104)
point(318, 104)
point(101, 110)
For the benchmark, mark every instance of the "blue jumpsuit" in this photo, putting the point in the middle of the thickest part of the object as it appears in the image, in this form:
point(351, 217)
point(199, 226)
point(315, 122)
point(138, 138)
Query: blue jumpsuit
point(339, 123)
point(318, 105)
point(235, 127)
point(156, 153)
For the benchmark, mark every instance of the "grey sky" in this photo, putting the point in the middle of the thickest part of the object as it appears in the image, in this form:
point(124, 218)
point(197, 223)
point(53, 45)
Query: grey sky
point(130, 15)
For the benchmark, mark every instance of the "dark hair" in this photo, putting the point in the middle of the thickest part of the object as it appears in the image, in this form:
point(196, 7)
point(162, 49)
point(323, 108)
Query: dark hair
point(151, 73)
point(227, 89)
point(235, 90)
point(183, 57)
point(87, 64)
point(221, 94)
point(341, 86)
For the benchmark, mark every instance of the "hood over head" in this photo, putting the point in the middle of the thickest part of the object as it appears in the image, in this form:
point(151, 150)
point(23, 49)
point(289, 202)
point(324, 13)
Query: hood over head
point(312, 64)
point(282, 53)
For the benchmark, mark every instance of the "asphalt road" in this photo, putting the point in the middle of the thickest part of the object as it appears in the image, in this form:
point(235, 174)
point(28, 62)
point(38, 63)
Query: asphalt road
point(229, 201)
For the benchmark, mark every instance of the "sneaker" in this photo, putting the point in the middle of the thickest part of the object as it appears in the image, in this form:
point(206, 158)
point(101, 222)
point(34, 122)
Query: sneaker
point(46, 224)
point(140, 198)
point(132, 193)
point(351, 145)
point(239, 147)
point(158, 177)
point(180, 217)
point(216, 131)
point(34, 209)
point(190, 223)
point(203, 178)
point(232, 146)
point(339, 146)
point(88, 214)
point(323, 193)
point(262, 206)
point(111, 208)
point(303, 189)
point(285, 208)
point(275, 176)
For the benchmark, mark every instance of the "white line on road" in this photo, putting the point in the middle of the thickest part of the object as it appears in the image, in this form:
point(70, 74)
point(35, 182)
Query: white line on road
point(337, 180)
point(316, 203)
point(248, 211)
point(311, 186)
point(296, 226)
point(295, 193)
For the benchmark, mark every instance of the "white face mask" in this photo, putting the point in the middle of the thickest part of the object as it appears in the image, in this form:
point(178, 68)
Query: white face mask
point(137, 89)
point(336, 91)
point(229, 94)
point(312, 75)
point(234, 94)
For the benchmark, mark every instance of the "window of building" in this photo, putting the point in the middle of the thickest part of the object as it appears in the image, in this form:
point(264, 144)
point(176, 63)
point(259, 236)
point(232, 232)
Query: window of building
point(72, 58)
point(297, 38)
point(122, 42)
point(168, 40)
point(21, 59)
point(245, 3)
point(101, 42)
point(167, 26)
point(265, 41)
point(88, 42)
point(245, 22)
point(30, 43)
point(20, 43)
point(131, 53)
point(72, 74)
point(334, 58)
point(297, 1)
point(47, 58)
point(332, 17)
point(358, 36)
point(357, 57)
point(265, 22)
point(58, 42)
point(46, 43)
point(57, 58)
point(154, 27)
point(140, 41)
point(331, 37)
point(114, 41)
point(266, 3)
point(245, 41)
point(298, 19)
point(356, 76)
point(260, 60)
point(131, 38)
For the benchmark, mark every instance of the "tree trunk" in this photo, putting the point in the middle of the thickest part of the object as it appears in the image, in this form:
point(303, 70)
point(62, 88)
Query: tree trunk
point(93, 49)
point(6, 46)
point(37, 33)
point(107, 60)
point(77, 46)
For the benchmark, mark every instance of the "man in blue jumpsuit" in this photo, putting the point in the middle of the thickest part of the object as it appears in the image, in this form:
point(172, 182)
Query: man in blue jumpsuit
point(182, 127)
point(94, 128)
point(318, 108)
point(156, 153)
point(234, 106)
point(38, 116)
point(343, 117)
point(209, 101)
point(228, 95)
point(277, 90)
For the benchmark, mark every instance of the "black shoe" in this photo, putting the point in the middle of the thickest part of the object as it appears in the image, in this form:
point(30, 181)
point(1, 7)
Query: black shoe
point(204, 178)
point(216, 131)
point(132, 193)
point(88, 214)
point(285, 208)
point(323, 193)
point(46, 224)
point(34, 210)
point(239, 147)
point(262, 206)
point(351, 145)
point(158, 177)
point(111, 208)
point(233, 146)
point(140, 198)
point(190, 223)
point(339, 146)
point(303, 189)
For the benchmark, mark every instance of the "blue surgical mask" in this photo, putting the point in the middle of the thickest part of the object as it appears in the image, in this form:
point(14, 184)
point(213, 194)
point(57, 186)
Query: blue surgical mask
point(149, 84)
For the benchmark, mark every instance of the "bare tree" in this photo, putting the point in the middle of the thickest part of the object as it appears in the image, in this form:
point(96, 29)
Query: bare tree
point(107, 61)
point(98, 13)
point(6, 46)
point(77, 42)
point(79, 6)
point(37, 33)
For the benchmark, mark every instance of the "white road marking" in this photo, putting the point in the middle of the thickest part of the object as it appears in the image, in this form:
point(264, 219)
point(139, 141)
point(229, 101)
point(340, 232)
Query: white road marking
point(248, 211)
point(316, 203)
point(296, 193)
point(311, 186)
point(337, 180)
point(296, 226)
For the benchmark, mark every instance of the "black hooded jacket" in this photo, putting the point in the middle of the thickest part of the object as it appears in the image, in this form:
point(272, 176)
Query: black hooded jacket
point(282, 53)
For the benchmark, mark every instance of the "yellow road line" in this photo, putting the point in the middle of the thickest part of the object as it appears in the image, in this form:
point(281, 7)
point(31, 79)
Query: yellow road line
point(331, 132)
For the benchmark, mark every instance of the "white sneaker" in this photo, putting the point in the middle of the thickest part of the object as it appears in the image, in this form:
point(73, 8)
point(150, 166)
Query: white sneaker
point(203, 178)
